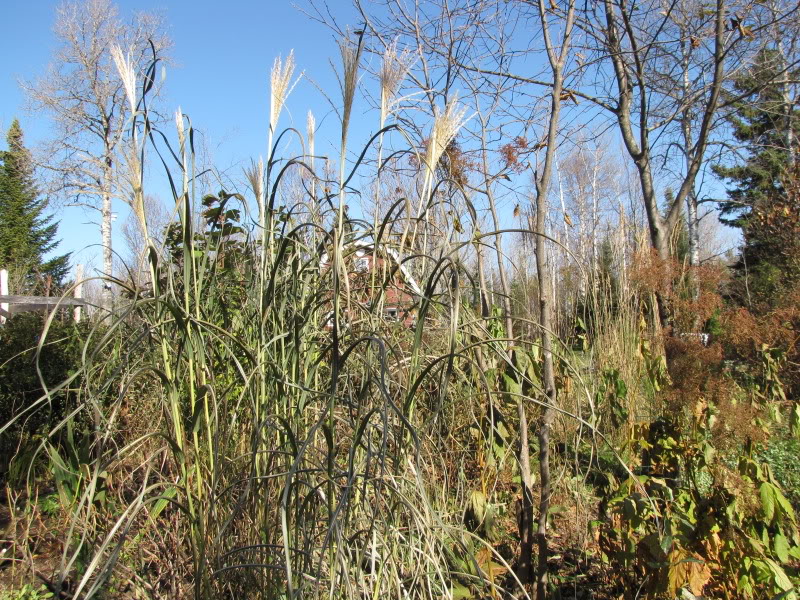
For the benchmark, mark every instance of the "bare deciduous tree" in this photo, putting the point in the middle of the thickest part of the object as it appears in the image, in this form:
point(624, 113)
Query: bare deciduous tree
point(90, 106)
point(557, 56)
point(670, 63)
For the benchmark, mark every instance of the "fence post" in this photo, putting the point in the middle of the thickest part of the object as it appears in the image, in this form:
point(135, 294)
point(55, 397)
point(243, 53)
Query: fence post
point(3, 292)
point(78, 291)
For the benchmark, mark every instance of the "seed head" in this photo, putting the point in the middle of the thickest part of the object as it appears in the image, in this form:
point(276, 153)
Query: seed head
point(351, 55)
point(311, 126)
point(445, 127)
point(280, 87)
point(393, 71)
point(179, 125)
point(126, 72)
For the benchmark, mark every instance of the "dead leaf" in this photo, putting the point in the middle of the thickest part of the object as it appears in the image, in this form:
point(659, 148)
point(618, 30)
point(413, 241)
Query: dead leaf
point(568, 95)
point(491, 569)
point(687, 570)
point(700, 408)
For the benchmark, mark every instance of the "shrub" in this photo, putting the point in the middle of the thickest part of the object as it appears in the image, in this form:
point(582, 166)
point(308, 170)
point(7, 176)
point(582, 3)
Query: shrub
point(22, 373)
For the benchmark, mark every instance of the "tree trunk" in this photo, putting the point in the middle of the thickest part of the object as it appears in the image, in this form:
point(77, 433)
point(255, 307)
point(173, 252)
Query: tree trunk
point(501, 269)
point(694, 231)
point(630, 77)
point(692, 223)
point(106, 217)
point(545, 311)
point(525, 569)
point(546, 295)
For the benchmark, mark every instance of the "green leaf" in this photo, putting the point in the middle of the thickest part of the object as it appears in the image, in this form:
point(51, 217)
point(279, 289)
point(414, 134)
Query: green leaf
point(511, 385)
point(781, 578)
point(461, 592)
point(708, 453)
point(478, 503)
point(621, 389)
point(794, 420)
point(744, 585)
point(785, 505)
point(781, 546)
point(161, 503)
point(767, 501)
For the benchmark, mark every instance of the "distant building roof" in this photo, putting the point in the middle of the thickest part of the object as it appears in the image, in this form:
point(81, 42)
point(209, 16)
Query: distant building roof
point(392, 254)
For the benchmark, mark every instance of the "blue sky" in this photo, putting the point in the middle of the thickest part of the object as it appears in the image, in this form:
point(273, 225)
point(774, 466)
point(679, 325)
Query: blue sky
point(222, 55)
point(221, 58)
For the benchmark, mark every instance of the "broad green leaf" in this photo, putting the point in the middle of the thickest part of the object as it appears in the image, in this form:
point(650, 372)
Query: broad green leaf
point(511, 385)
point(478, 504)
point(784, 595)
point(767, 501)
point(161, 503)
point(794, 420)
point(781, 546)
point(744, 586)
point(781, 578)
point(785, 505)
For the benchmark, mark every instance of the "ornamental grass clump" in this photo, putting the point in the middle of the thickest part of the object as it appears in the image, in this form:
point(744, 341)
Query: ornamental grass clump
point(268, 455)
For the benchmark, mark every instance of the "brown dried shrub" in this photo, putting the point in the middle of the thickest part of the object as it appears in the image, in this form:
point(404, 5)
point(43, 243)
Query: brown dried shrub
point(745, 333)
point(700, 384)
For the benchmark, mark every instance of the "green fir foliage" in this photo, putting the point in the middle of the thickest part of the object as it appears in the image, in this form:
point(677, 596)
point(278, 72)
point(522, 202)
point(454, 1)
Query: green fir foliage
point(27, 233)
point(761, 122)
point(765, 122)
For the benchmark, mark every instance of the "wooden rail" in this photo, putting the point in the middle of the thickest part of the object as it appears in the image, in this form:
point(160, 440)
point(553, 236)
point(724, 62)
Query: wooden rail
point(39, 302)
point(44, 300)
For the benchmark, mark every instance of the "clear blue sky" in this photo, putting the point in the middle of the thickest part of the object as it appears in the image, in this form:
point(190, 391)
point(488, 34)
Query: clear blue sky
point(222, 54)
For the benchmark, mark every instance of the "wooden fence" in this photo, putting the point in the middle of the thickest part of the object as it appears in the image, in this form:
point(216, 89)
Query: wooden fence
point(11, 304)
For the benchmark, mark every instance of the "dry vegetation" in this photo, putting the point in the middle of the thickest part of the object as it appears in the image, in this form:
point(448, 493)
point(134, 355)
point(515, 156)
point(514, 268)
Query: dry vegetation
point(249, 421)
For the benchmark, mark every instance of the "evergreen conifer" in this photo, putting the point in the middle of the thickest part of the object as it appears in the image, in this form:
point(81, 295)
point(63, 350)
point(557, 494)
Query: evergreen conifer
point(27, 234)
point(768, 127)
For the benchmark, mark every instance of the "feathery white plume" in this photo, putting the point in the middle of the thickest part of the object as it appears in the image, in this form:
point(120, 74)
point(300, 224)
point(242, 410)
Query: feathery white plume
point(127, 73)
point(280, 87)
point(393, 70)
point(445, 127)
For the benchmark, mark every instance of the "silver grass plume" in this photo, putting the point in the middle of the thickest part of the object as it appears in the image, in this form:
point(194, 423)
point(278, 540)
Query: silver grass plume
point(350, 58)
point(446, 125)
point(311, 126)
point(127, 73)
point(255, 177)
point(181, 128)
point(280, 87)
point(179, 125)
point(393, 70)
point(133, 176)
